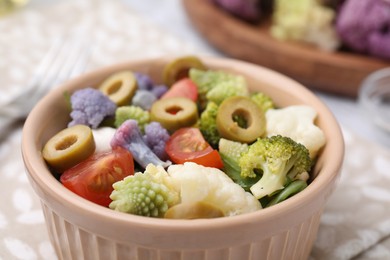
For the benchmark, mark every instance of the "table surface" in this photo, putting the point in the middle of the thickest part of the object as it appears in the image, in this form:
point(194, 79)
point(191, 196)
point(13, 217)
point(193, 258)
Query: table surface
point(358, 230)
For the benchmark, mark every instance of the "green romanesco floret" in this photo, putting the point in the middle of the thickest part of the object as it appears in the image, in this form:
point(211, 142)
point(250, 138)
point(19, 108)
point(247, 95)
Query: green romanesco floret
point(124, 113)
point(208, 124)
point(146, 194)
point(263, 101)
point(230, 152)
point(216, 86)
point(277, 159)
point(232, 149)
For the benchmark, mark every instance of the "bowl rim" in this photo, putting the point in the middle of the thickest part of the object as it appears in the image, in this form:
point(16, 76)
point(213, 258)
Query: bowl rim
point(52, 188)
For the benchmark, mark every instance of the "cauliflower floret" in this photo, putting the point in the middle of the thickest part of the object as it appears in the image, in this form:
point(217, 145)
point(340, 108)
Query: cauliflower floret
point(90, 106)
point(296, 122)
point(103, 135)
point(198, 183)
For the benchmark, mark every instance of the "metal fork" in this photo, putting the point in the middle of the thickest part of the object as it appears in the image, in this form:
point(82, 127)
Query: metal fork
point(64, 60)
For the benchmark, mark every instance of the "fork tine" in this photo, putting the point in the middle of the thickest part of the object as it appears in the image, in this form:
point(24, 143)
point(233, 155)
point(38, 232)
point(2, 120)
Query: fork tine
point(70, 55)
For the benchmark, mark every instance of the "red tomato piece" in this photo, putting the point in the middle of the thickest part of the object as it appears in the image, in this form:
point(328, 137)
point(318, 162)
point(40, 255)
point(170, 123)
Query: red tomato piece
point(92, 179)
point(188, 145)
point(183, 88)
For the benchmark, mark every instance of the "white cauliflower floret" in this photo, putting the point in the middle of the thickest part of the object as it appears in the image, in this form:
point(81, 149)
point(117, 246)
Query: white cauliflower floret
point(103, 136)
point(296, 122)
point(205, 184)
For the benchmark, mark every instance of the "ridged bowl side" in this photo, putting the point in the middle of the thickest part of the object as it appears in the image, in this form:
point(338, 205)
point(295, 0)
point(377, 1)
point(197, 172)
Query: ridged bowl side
point(73, 242)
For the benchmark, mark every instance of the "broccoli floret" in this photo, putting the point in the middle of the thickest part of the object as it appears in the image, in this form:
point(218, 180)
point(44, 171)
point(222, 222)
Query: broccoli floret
point(132, 112)
point(263, 101)
point(216, 86)
point(128, 136)
point(145, 194)
point(208, 124)
point(143, 99)
point(89, 107)
point(278, 159)
point(156, 137)
point(232, 149)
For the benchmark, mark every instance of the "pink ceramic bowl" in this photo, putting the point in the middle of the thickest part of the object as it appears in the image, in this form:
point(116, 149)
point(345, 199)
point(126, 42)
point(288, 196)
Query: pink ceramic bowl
point(80, 229)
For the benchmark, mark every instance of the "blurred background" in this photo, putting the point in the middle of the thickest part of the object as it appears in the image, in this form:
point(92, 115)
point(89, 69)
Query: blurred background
point(298, 38)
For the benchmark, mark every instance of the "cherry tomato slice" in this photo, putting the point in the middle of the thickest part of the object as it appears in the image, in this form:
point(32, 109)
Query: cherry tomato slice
point(92, 179)
point(188, 145)
point(183, 88)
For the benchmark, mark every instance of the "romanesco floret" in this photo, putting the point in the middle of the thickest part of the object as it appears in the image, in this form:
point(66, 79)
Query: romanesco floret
point(296, 122)
point(143, 99)
point(305, 20)
point(232, 149)
point(146, 194)
point(216, 86)
point(197, 183)
point(231, 152)
point(90, 107)
point(128, 136)
point(132, 112)
point(156, 137)
point(263, 101)
point(277, 159)
point(208, 124)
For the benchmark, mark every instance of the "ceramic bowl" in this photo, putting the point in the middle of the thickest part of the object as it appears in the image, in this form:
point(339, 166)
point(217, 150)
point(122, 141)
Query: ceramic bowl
point(80, 229)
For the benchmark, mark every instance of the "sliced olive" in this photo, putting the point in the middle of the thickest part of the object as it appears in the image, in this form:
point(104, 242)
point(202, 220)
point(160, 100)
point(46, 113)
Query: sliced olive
point(240, 119)
point(194, 210)
point(120, 87)
point(69, 147)
point(174, 113)
point(178, 68)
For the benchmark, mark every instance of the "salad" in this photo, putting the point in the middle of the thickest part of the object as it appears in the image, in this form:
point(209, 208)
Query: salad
point(200, 145)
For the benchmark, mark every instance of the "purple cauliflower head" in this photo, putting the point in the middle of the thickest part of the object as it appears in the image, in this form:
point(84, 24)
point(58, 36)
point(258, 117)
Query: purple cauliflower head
point(246, 9)
point(156, 137)
point(89, 107)
point(364, 26)
point(129, 136)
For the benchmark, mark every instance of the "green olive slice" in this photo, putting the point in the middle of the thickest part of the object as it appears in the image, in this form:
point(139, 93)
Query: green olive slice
point(69, 147)
point(195, 210)
point(174, 113)
point(120, 87)
point(178, 68)
point(240, 119)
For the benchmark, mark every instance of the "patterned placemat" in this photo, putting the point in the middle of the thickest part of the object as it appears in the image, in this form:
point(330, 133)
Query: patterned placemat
point(355, 223)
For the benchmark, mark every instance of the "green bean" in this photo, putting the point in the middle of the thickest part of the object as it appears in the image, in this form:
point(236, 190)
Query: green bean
point(290, 190)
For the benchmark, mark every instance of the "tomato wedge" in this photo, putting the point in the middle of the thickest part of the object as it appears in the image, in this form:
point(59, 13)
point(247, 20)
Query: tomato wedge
point(92, 179)
point(183, 88)
point(188, 145)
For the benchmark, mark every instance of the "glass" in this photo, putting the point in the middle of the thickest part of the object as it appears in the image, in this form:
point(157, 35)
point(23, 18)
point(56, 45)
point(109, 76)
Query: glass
point(7, 6)
point(374, 97)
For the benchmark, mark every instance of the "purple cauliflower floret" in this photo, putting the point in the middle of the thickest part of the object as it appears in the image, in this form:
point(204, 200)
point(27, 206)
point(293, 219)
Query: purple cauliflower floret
point(156, 137)
point(129, 137)
point(245, 9)
point(364, 26)
point(89, 107)
point(159, 90)
point(143, 99)
point(144, 82)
